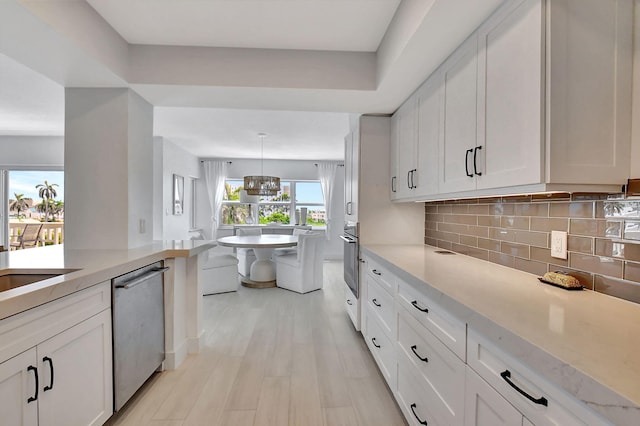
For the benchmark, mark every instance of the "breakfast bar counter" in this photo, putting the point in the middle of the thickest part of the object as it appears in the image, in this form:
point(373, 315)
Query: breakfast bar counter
point(81, 269)
point(585, 342)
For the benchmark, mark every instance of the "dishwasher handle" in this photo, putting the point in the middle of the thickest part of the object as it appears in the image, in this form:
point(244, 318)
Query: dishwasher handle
point(139, 280)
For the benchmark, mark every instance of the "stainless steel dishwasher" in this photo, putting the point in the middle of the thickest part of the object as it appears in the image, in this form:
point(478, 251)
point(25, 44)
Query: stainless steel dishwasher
point(138, 329)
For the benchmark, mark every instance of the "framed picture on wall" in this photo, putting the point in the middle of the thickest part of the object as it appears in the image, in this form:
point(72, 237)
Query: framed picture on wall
point(178, 195)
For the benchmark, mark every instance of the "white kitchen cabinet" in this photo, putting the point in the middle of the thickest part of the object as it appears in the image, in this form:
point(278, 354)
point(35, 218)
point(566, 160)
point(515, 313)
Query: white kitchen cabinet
point(66, 345)
point(539, 400)
point(76, 374)
point(438, 370)
point(484, 406)
point(538, 99)
point(428, 104)
point(458, 116)
point(510, 96)
point(352, 173)
point(394, 167)
point(381, 347)
point(352, 306)
point(407, 149)
point(18, 388)
point(414, 400)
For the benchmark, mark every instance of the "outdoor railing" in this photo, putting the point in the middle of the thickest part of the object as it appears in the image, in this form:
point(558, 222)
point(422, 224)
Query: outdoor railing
point(51, 232)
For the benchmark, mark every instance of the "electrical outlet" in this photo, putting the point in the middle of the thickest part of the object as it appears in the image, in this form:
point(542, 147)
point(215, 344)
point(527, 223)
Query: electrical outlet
point(559, 244)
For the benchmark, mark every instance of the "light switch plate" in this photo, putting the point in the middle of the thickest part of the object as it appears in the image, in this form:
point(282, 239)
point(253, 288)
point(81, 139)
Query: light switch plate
point(559, 244)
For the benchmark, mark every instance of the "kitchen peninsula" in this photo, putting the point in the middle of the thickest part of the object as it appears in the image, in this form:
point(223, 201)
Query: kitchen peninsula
point(65, 321)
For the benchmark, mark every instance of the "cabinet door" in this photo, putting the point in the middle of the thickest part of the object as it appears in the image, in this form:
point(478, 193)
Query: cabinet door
point(458, 118)
point(485, 407)
point(407, 151)
point(79, 374)
point(393, 158)
point(348, 171)
point(17, 385)
point(428, 128)
point(589, 90)
point(510, 96)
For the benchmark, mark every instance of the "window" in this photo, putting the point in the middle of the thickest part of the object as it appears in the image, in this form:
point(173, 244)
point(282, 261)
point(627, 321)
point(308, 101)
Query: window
point(293, 196)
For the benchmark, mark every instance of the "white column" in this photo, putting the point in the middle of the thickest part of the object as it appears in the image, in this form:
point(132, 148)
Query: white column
point(108, 159)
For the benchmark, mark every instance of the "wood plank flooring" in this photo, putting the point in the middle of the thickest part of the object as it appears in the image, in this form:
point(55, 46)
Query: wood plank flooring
point(271, 357)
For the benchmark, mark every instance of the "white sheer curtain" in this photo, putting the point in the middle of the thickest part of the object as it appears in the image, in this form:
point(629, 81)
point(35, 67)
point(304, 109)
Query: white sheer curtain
point(215, 173)
point(327, 176)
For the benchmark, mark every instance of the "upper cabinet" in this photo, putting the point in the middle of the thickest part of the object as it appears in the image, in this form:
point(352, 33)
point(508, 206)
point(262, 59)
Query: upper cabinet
point(537, 99)
point(351, 174)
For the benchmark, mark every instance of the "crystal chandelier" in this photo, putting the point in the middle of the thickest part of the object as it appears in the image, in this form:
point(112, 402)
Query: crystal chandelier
point(262, 185)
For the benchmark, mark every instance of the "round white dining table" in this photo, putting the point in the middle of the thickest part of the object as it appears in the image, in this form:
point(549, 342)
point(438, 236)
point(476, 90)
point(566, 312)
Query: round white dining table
point(263, 272)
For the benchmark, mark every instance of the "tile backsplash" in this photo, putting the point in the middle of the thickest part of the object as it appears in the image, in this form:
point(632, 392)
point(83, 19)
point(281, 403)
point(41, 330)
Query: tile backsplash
point(515, 232)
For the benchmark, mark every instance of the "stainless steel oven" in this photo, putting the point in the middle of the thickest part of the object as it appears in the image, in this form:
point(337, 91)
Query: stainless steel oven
point(351, 256)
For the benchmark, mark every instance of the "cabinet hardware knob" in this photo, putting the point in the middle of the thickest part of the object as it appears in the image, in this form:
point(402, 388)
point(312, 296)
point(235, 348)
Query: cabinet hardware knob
point(466, 162)
point(415, 305)
point(475, 154)
point(373, 340)
point(50, 361)
point(413, 348)
point(35, 395)
point(506, 375)
point(413, 410)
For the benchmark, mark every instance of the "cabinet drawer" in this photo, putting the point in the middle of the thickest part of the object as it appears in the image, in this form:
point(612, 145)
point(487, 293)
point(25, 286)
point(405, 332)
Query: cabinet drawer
point(352, 306)
point(450, 330)
point(552, 404)
point(381, 304)
point(382, 349)
point(382, 276)
point(434, 365)
point(414, 400)
point(25, 330)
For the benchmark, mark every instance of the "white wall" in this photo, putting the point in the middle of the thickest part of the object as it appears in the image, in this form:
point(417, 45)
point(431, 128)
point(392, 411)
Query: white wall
point(285, 169)
point(174, 160)
point(108, 168)
point(32, 152)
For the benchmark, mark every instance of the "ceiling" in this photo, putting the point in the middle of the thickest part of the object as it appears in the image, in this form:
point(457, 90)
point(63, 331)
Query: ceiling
point(220, 71)
point(338, 25)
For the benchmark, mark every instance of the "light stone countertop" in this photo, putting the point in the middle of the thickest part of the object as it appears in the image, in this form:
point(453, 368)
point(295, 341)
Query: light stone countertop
point(91, 267)
point(585, 342)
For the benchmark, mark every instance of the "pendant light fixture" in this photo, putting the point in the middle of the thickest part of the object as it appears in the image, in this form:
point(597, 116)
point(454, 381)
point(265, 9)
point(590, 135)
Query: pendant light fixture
point(262, 185)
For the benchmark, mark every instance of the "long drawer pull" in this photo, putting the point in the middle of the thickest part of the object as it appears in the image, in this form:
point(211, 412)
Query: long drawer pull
point(375, 302)
point(506, 375)
point(50, 361)
point(373, 340)
point(375, 271)
point(35, 395)
point(413, 410)
point(415, 305)
point(413, 349)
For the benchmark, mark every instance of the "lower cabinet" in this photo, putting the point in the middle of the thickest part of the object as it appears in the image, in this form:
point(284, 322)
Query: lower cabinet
point(352, 305)
point(443, 372)
point(65, 377)
point(75, 374)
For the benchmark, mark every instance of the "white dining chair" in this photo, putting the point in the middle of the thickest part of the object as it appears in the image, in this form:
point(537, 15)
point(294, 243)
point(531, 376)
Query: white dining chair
point(220, 274)
point(246, 256)
point(289, 250)
point(302, 271)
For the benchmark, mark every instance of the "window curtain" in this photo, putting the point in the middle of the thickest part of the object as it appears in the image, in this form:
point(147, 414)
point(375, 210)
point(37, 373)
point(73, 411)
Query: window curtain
point(215, 173)
point(327, 176)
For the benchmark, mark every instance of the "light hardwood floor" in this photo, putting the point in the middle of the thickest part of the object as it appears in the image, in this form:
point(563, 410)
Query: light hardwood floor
point(272, 357)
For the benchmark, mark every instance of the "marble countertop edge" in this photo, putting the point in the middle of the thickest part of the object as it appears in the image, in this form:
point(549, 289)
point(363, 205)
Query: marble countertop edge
point(89, 267)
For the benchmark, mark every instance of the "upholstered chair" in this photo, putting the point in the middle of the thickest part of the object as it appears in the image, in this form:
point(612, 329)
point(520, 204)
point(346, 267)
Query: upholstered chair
point(246, 256)
point(289, 250)
point(302, 271)
point(220, 274)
